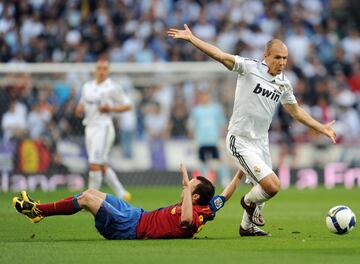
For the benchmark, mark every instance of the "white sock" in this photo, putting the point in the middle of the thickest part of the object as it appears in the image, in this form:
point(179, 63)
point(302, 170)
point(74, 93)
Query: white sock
point(245, 222)
point(113, 182)
point(261, 206)
point(95, 179)
point(256, 195)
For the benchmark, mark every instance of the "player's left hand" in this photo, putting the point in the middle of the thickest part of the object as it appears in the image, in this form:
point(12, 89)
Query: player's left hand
point(104, 108)
point(329, 131)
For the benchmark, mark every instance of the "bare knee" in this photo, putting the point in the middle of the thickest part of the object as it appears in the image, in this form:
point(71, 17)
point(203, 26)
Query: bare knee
point(271, 185)
point(90, 201)
point(95, 193)
point(90, 191)
point(273, 189)
point(85, 198)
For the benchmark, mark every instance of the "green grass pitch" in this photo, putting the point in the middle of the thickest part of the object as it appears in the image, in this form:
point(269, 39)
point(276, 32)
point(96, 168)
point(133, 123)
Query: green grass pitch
point(295, 218)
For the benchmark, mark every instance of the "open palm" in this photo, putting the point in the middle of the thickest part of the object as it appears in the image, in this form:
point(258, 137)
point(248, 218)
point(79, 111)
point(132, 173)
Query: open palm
point(180, 33)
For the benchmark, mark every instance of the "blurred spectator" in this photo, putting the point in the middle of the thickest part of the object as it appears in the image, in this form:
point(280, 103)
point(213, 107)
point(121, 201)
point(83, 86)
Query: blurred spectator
point(13, 122)
point(298, 44)
point(127, 122)
point(155, 125)
point(338, 63)
point(351, 45)
point(354, 79)
point(178, 119)
point(322, 36)
point(36, 122)
point(207, 124)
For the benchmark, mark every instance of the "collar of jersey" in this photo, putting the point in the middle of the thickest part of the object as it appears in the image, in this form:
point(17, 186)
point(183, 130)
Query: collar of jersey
point(264, 69)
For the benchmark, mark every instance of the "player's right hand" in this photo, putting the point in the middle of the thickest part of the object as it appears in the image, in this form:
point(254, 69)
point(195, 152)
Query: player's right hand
point(185, 176)
point(104, 108)
point(79, 110)
point(180, 33)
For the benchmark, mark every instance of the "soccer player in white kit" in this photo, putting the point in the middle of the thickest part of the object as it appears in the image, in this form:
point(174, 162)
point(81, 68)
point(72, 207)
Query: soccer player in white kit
point(261, 85)
point(99, 99)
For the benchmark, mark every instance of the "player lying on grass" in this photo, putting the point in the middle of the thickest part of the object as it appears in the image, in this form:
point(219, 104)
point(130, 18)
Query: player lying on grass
point(117, 219)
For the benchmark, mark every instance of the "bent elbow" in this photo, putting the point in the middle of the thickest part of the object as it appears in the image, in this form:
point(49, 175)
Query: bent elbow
point(186, 222)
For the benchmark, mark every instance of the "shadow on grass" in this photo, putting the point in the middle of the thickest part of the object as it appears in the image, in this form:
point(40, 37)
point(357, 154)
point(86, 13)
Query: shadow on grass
point(54, 240)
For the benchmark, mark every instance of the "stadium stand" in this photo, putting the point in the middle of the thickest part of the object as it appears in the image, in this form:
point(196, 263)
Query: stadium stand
point(323, 38)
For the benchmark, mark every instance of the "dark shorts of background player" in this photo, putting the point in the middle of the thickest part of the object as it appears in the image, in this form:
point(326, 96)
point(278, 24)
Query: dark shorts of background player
point(208, 153)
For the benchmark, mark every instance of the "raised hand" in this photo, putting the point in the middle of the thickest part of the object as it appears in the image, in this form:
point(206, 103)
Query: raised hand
point(180, 33)
point(185, 176)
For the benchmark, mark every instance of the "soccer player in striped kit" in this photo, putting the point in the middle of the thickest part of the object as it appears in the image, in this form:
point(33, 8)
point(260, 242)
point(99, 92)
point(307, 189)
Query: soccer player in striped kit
point(261, 85)
point(100, 98)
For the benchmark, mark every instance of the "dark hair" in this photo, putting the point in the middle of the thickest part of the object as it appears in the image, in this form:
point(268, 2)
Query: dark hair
point(205, 189)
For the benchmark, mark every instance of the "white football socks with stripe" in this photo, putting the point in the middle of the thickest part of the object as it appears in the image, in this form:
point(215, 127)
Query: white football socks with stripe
point(245, 222)
point(256, 195)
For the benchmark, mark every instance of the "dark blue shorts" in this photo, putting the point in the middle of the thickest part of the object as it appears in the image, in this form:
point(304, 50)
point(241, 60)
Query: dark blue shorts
point(116, 219)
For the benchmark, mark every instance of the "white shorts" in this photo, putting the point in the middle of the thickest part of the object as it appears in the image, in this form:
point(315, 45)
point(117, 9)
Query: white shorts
point(252, 156)
point(99, 140)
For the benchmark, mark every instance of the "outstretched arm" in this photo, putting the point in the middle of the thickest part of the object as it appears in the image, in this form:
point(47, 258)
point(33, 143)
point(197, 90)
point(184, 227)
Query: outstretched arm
point(115, 109)
point(300, 115)
point(227, 59)
point(186, 207)
point(231, 187)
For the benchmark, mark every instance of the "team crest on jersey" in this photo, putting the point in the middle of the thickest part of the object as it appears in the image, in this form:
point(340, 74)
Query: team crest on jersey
point(282, 88)
point(173, 211)
point(218, 202)
point(257, 169)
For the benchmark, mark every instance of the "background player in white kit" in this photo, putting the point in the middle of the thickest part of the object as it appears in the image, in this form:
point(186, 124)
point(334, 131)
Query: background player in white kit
point(99, 99)
point(260, 86)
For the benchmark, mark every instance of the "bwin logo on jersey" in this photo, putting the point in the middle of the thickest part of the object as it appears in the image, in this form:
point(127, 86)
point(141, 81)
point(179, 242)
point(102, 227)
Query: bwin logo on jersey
point(269, 94)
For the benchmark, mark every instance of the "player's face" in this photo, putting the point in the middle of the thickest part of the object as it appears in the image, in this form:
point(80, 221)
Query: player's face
point(193, 184)
point(101, 71)
point(276, 58)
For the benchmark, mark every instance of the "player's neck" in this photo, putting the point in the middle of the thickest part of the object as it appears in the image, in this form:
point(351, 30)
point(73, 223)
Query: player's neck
point(272, 74)
point(98, 80)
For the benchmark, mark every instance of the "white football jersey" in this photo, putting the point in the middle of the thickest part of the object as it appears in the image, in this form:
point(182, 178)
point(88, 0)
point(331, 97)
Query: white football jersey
point(94, 95)
point(256, 98)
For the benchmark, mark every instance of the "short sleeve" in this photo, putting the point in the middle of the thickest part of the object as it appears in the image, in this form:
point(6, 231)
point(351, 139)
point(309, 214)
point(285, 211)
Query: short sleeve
point(119, 96)
point(240, 65)
point(288, 96)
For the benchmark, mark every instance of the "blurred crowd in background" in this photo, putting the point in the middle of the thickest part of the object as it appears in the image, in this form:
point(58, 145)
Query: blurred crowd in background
point(323, 38)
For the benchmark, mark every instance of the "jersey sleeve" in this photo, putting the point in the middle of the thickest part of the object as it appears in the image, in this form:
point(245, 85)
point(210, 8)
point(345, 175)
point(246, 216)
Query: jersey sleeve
point(239, 65)
point(119, 96)
point(216, 203)
point(288, 96)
